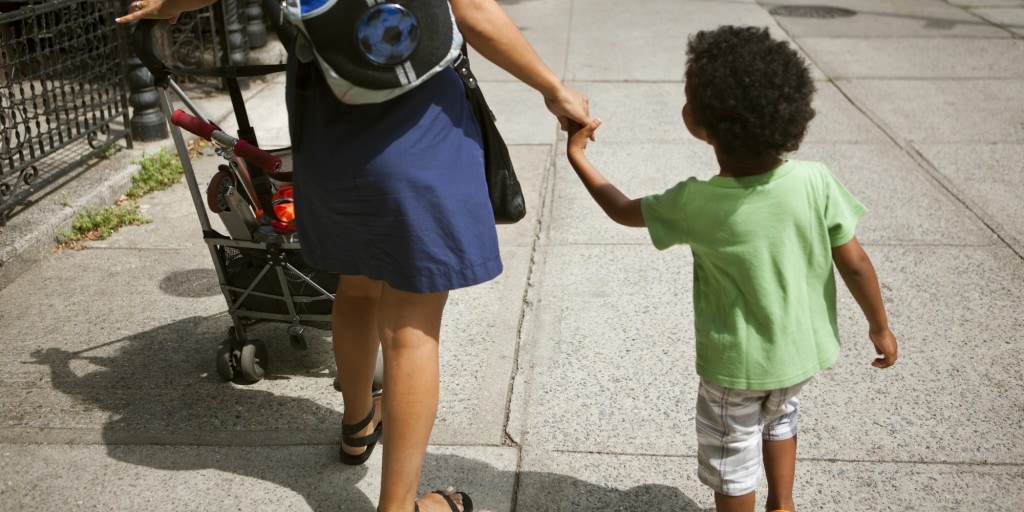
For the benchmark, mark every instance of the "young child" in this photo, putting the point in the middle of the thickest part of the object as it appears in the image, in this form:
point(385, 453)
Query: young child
point(764, 234)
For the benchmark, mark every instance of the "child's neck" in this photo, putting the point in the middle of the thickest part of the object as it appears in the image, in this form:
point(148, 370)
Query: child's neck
point(733, 169)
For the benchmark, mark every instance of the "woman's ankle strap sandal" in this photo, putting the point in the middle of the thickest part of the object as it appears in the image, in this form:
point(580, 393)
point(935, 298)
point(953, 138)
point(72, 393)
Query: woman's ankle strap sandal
point(370, 441)
point(467, 504)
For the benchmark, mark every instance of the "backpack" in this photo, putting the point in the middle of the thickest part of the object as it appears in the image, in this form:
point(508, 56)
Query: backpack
point(371, 51)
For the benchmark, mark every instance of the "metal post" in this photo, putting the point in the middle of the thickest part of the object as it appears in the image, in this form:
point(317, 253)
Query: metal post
point(237, 43)
point(147, 123)
point(255, 29)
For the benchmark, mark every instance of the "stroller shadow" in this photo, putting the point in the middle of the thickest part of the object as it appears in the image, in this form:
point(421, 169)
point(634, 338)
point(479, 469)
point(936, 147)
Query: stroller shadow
point(170, 411)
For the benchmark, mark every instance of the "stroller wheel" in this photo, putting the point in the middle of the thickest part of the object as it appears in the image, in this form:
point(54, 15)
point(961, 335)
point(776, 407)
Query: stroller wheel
point(253, 361)
point(220, 184)
point(297, 337)
point(377, 384)
point(378, 375)
point(225, 368)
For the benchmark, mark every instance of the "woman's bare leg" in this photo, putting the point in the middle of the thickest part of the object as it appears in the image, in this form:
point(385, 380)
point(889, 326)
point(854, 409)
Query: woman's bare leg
point(410, 326)
point(356, 345)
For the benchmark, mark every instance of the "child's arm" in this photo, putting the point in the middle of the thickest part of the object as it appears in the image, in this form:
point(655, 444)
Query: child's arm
point(859, 274)
point(615, 204)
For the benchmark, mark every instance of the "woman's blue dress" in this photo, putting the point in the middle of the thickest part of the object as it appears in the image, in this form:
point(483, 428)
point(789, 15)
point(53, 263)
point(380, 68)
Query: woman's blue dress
point(393, 191)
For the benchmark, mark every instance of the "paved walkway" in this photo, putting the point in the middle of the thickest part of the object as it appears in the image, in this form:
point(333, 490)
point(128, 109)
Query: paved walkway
point(568, 382)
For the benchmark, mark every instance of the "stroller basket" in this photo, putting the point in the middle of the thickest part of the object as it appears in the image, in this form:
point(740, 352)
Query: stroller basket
point(271, 282)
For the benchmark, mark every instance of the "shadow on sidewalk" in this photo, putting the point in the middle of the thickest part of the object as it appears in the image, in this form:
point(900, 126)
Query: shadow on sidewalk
point(160, 390)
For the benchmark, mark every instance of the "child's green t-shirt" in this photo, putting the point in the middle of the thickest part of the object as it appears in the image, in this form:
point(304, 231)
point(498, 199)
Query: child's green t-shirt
point(764, 293)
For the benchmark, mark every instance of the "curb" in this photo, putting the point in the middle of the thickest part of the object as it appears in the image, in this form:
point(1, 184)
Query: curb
point(31, 234)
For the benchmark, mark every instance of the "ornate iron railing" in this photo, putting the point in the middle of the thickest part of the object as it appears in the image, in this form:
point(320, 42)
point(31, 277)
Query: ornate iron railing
point(63, 99)
point(219, 35)
point(67, 78)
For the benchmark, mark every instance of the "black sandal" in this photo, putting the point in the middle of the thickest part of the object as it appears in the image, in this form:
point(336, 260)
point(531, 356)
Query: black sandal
point(370, 441)
point(467, 504)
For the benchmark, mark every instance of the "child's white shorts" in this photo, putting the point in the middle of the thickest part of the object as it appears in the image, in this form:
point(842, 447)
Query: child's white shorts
point(731, 424)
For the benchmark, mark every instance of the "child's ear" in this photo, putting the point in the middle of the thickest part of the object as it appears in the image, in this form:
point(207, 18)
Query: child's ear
point(695, 129)
point(701, 133)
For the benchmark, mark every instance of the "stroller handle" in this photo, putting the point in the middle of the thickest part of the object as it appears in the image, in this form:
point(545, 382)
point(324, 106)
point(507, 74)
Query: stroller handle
point(142, 43)
point(249, 152)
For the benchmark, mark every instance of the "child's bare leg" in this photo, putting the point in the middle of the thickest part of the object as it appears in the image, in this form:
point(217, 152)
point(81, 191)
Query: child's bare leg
point(743, 503)
point(779, 468)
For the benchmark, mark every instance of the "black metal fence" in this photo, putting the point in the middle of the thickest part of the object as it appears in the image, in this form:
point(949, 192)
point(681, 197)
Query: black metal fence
point(63, 98)
point(68, 78)
point(220, 35)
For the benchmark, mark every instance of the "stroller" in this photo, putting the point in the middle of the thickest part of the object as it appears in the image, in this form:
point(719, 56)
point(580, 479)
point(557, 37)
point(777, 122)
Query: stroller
point(259, 265)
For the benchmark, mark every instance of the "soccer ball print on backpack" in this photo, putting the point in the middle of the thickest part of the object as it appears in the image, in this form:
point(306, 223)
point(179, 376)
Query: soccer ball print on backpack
point(371, 51)
point(388, 34)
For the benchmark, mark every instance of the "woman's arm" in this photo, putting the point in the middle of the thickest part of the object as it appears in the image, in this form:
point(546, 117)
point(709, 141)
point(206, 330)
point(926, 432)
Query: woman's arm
point(161, 9)
point(489, 30)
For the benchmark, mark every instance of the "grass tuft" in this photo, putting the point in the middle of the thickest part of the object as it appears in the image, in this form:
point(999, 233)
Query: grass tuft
point(99, 223)
point(158, 171)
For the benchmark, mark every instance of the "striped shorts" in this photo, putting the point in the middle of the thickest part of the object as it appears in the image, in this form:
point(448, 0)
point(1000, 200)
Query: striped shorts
point(731, 425)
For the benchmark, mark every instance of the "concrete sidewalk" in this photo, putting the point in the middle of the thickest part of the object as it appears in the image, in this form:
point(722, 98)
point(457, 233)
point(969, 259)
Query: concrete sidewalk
point(568, 382)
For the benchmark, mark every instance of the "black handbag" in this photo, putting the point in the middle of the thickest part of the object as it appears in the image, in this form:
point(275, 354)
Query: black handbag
point(507, 199)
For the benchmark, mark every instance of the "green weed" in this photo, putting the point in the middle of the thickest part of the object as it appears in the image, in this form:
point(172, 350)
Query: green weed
point(107, 152)
point(158, 171)
point(99, 223)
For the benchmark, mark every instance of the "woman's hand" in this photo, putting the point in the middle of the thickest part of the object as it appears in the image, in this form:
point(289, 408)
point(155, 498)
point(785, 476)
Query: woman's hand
point(569, 106)
point(160, 9)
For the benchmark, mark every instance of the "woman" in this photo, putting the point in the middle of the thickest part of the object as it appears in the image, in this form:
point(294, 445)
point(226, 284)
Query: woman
point(392, 196)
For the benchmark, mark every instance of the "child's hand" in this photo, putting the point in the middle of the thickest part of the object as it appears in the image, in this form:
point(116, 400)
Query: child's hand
point(885, 346)
point(580, 134)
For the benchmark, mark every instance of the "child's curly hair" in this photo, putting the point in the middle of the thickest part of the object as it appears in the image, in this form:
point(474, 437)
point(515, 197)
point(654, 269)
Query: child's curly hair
point(751, 94)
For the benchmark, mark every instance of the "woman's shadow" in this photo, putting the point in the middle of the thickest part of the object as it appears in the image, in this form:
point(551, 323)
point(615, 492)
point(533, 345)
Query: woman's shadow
point(169, 410)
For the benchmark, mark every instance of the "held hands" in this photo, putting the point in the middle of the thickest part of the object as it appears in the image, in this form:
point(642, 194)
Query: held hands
point(885, 346)
point(569, 106)
point(579, 134)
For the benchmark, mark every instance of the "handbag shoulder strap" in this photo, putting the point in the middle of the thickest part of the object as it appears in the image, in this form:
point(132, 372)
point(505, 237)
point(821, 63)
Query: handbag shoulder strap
point(461, 66)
